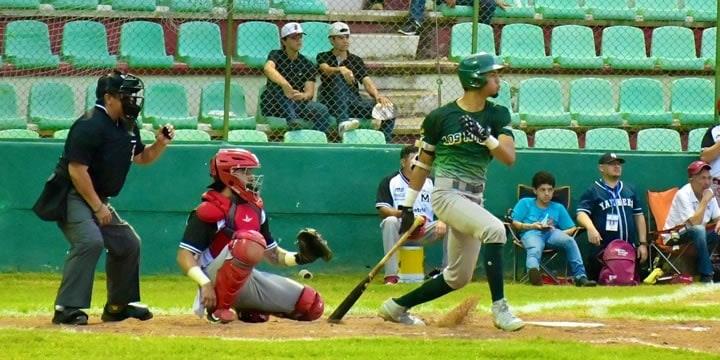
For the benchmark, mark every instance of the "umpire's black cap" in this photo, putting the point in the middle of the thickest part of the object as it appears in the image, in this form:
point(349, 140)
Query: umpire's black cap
point(117, 83)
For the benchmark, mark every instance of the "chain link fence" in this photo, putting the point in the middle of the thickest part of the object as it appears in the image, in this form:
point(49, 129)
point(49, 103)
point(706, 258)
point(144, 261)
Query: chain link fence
point(587, 74)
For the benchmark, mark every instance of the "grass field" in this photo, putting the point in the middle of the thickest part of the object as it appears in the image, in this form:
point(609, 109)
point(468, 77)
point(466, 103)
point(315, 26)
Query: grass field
point(658, 322)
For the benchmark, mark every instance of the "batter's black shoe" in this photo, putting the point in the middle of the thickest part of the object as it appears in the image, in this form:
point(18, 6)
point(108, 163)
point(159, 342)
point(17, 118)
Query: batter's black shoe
point(70, 316)
point(121, 312)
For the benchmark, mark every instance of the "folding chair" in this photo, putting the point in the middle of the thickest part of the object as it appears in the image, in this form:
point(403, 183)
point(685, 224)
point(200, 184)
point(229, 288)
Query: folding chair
point(670, 251)
point(562, 196)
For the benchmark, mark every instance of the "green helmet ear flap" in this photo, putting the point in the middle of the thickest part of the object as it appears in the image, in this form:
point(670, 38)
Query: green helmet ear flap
point(473, 68)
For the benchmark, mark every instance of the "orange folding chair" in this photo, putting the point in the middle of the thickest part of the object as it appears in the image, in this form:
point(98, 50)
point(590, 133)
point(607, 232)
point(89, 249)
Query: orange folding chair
point(671, 251)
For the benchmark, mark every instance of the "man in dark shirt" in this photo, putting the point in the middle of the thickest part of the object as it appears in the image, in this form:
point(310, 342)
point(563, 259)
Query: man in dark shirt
point(342, 72)
point(98, 152)
point(291, 83)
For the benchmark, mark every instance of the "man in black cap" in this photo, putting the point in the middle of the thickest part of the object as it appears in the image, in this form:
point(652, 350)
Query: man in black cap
point(609, 209)
point(98, 152)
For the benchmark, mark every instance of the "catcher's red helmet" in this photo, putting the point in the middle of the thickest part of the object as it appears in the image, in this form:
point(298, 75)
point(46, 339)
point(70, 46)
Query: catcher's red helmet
point(233, 167)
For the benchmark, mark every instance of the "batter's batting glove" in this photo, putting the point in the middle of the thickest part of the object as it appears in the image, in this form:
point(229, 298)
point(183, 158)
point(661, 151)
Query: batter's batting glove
point(474, 130)
point(406, 219)
point(311, 246)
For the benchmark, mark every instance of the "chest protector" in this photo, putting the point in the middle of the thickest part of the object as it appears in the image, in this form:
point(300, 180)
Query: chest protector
point(230, 215)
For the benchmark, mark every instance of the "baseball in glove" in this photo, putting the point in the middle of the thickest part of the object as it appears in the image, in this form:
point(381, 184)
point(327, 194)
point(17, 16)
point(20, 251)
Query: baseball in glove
point(311, 246)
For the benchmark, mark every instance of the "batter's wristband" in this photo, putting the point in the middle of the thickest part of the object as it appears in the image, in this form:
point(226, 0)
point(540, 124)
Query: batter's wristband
point(410, 196)
point(198, 275)
point(491, 142)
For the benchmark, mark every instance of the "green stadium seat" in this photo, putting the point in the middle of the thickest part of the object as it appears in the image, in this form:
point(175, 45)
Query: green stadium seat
point(274, 123)
point(61, 134)
point(200, 45)
point(9, 114)
point(504, 99)
point(247, 136)
point(255, 39)
point(702, 10)
point(623, 47)
point(658, 140)
point(695, 137)
point(147, 136)
point(610, 9)
point(592, 103)
point(316, 7)
point(12, 134)
point(212, 104)
point(190, 135)
point(52, 105)
point(641, 102)
point(523, 46)
point(251, 6)
point(456, 11)
point(133, 5)
point(191, 5)
point(693, 101)
point(573, 46)
point(19, 4)
point(521, 141)
point(707, 48)
point(363, 136)
point(461, 40)
point(663, 10)
point(674, 47)
point(608, 139)
point(523, 11)
point(74, 4)
point(316, 39)
point(27, 45)
point(142, 45)
point(540, 103)
point(560, 9)
point(84, 45)
point(90, 97)
point(556, 139)
point(167, 103)
point(305, 137)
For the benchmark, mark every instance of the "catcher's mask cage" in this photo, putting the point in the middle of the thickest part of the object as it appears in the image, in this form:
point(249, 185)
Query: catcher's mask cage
point(234, 168)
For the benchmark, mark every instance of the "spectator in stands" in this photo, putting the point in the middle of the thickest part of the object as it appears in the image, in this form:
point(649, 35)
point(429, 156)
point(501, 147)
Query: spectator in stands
point(342, 73)
point(609, 209)
point(417, 12)
point(391, 191)
point(710, 153)
point(543, 222)
point(694, 206)
point(291, 83)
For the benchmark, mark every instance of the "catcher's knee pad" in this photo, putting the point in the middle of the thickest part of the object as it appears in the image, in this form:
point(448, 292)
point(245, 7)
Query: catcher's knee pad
point(309, 306)
point(248, 247)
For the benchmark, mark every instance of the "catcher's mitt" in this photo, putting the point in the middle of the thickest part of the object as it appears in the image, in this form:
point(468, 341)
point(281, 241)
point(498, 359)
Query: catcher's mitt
point(311, 246)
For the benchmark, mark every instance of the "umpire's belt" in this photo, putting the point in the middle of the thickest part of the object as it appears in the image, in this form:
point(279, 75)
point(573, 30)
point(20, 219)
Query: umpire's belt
point(444, 183)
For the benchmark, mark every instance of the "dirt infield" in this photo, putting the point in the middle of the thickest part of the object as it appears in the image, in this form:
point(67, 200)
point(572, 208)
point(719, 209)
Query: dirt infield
point(698, 336)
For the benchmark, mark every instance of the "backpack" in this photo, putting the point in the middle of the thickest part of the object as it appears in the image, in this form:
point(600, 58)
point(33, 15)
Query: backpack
point(618, 264)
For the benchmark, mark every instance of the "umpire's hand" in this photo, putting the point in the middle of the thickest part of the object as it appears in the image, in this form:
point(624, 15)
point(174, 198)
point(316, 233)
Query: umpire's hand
point(165, 135)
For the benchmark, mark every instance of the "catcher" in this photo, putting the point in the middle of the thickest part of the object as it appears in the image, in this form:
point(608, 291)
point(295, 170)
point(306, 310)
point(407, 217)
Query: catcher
point(228, 234)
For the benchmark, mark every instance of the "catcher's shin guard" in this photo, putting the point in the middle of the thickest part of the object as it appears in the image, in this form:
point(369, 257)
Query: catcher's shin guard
point(309, 306)
point(247, 250)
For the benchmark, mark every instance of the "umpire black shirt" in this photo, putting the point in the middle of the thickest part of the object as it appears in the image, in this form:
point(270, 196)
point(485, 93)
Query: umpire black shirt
point(352, 62)
point(296, 72)
point(105, 146)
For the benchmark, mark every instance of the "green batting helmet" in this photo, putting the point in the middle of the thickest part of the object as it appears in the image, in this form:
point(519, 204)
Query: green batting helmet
point(473, 68)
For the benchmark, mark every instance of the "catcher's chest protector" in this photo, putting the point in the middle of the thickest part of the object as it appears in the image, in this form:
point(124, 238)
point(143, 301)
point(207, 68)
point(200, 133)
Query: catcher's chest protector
point(240, 217)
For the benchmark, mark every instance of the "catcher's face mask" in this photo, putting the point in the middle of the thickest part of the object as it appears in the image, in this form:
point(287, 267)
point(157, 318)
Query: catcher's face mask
point(251, 182)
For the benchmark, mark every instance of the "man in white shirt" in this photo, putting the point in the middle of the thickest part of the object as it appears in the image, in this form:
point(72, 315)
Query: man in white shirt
point(695, 206)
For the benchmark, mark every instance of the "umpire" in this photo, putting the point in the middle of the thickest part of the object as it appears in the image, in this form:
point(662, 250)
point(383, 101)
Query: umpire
point(97, 155)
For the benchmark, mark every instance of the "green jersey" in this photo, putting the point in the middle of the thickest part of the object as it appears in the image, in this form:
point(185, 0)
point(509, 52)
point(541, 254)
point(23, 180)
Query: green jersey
point(456, 155)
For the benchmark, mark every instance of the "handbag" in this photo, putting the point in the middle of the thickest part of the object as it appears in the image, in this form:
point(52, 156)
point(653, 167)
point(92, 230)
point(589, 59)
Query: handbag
point(51, 205)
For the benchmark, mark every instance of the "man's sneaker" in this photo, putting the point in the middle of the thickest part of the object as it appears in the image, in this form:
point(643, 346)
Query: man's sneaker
point(392, 279)
point(410, 27)
point(503, 318)
point(391, 311)
point(221, 316)
point(583, 281)
point(348, 125)
point(121, 312)
point(70, 316)
point(706, 279)
point(535, 277)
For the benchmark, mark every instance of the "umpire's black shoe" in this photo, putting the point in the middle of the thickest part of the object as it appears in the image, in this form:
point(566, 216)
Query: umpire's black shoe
point(583, 281)
point(122, 312)
point(70, 316)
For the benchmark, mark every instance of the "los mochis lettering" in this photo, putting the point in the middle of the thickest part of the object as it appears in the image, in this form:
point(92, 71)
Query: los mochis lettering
point(457, 138)
point(617, 202)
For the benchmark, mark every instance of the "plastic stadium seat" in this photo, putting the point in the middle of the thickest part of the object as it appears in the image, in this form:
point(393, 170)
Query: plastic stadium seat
point(247, 136)
point(316, 7)
point(592, 102)
point(19, 4)
point(556, 139)
point(523, 46)
point(191, 5)
point(316, 40)
point(461, 40)
point(363, 136)
point(659, 140)
point(573, 46)
point(695, 137)
point(707, 48)
point(27, 45)
point(274, 123)
point(540, 103)
point(701, 10)
point(693, 101)
point(74, 4)
point(608, 139)
point(523, 11)
point(61, 134)
point(305, 137)
point(623, 47)
point(84, 44)
point(52, 105)
point(521, 141)
point(674, 47)
point(9, 115)
point(560, 9)
point(251, 6)
point(641, 102)
point(504, 99)
point(610, 9)
point(190, 135)
point(142, 45)
point(167, 103)
point(255, 39)
point(212, 104)
point(659, 10)
point(200, 46)
point(147, 136)
point(133, 5)
point(18, 134)
point(90, 97)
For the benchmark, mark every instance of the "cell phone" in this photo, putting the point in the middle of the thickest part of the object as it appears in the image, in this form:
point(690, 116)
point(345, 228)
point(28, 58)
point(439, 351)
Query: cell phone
point(166, 132)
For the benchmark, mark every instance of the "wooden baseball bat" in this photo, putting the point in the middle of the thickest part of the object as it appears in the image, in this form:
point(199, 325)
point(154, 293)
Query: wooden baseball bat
point(355, 294)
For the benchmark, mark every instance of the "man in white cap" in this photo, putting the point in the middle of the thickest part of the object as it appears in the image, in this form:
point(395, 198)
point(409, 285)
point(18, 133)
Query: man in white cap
point(342, 73)
point(291, 83)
